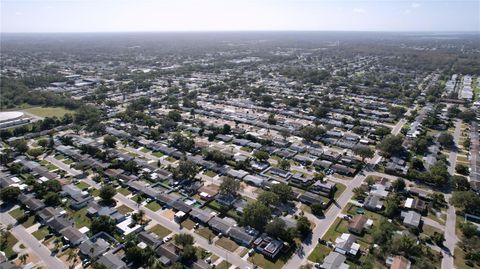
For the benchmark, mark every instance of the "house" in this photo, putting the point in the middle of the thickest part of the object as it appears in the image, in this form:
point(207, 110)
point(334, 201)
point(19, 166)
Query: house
point(149, 239)
point(31, 202)
point(93, 247)
point(95, 210)
point(415, 204)
point(257, 181)
point(59, 223)
point(400, 262)
point(310, 198)
point(301, 179)
point(323, 188)
point(240, 235)
point(219, 225)
point(128, 226)
point(48, 213)
point(334, 260)
point(345, 244)
point(167, 254)
point(268, 246)
point(111, 261)
point(200, 215)
point(379, 190)
point(373, 203)
point(343, 170)
point(73, 236)
point(411, 218)
point(358, 224)
point(79, 198)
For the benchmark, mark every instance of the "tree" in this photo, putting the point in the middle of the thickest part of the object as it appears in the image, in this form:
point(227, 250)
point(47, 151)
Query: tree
point(397, 111)
point(390, 145)
point(319, 176)
point(284, 192)
point(404, 245)
point(284, 164)
point(317, 209)
point(271, 119)
point(303, 226)
point(269, 198)
point(110, 141)
point(107, 192)
point(20, 145)
point(226, 129)
point(399, 184)
point(467, 115)
point(462, 169)
point(445, 139)
point(174, 115)
point(187, 253)
point(229, 186)
point(35, 152)
point(42, 143)
point(261, 156)
point(467, 200)
point(310, 133)
point(276, 227)
point(438, 238)
point(467, 143)
point(187, 169)
point(23, 258)
point(103, 224)
point(183, 239)
point(52, 199)
point(382, 131)
point(257, 215)
point(97, 265)
point(363, 151)
point(460, 183)
point(392, 206)
point(9, 194)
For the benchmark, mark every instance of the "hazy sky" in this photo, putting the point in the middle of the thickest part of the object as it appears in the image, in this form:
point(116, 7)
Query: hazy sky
point(211, 15)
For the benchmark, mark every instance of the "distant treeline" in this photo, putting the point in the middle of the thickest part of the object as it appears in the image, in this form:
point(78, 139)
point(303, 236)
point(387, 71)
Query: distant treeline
point(15, 92)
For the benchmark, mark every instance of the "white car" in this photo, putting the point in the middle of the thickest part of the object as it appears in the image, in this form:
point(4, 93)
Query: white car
point(167, 238)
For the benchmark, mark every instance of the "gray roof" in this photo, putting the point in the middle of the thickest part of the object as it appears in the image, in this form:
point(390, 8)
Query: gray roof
point(411, 218)
point(334, 260)
point(112, 261)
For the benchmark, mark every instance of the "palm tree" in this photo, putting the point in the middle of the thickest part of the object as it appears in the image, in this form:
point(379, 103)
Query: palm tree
point(141, 214)
point(23, 258)
point(72, 254)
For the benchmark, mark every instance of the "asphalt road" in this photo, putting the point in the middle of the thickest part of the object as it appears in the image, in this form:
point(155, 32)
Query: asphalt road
point(33, 245)
point(174, 227)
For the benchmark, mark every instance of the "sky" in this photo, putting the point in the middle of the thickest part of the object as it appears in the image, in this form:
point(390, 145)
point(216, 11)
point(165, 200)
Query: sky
point(238, 15)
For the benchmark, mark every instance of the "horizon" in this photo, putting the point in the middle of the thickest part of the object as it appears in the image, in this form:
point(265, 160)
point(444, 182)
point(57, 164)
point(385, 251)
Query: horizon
point(105, 16)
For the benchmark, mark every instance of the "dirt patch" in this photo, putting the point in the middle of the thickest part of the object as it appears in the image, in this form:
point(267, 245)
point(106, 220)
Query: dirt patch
point(169, 214)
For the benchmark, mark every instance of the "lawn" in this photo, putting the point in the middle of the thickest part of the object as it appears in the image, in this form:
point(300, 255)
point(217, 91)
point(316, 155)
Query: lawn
point(154, 206)
point(319, 253)
point(82, 185)
point(157, 154)
point(145, 150)
point(260, 261)
point(227, 244)
point(49, 166)
point(188, 223)
point(29, 222)
point(171, 159)
point(160, 230)
point(80, 218)
point(123, 209)
point(95, 193)
point(59, 157)
point(223, 265)
point(41, 233)
point(48, 111)
point(124, 191)
point(209, 173)
point(429, 230)
point(459, 260)
point(11, 241)
point(17, 213)
point(351, 209)
point(205, 232)
point(67, 161)
point(340, 189)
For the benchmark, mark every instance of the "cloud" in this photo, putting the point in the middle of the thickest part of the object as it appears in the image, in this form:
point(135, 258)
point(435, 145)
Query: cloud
point(359, 10)
point(407, 11)
point(415, 5)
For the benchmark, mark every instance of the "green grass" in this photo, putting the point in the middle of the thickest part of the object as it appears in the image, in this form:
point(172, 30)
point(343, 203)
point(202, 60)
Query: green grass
point(17, 213)
point(339, 227)
point(82, 185)
point(227, 244)
point(205, 232)
point(157, 154)
point(319, 253)
point(11, 241)
point(41, 233)
point(124, 191)
point(429, 230)
point(48, 111)
point(95, 193)
point(340, 189)
point(160, 230)
point(59, 157)
point(80, 217)
point(145, 150)
point(351, 209)
point(209, 173)
point(29, 222)
point(49, 166)
point(246, 149)
point(223, 265)
point(123, 209)
point(459, 260)
point(260, 261)
point(67, 161)
point(171, 159)
point(154, 206)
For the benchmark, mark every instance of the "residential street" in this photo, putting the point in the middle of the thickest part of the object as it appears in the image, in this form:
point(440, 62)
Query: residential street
point(174, 227)
point(30, 242)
